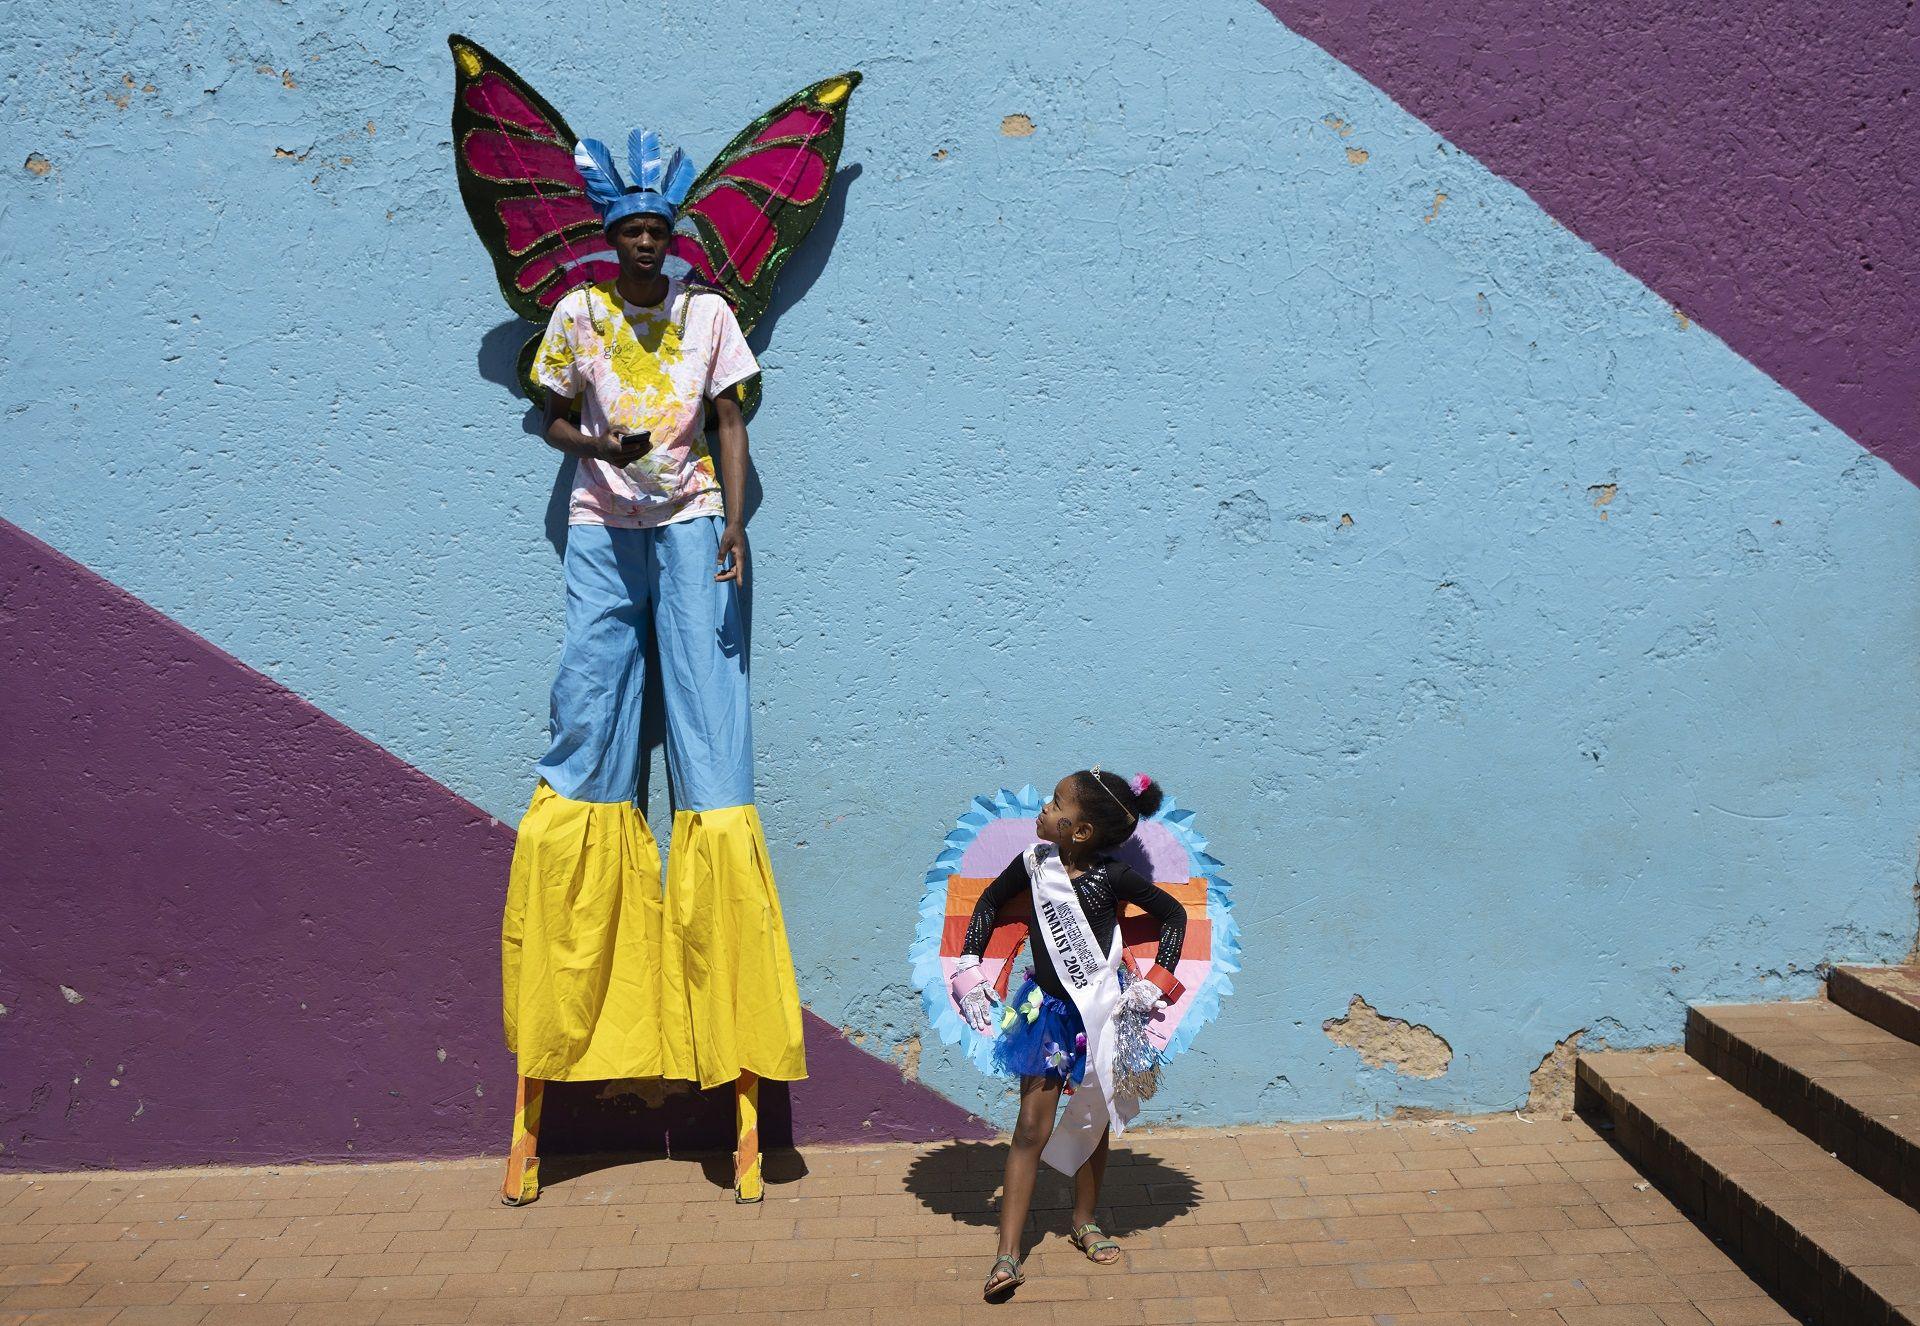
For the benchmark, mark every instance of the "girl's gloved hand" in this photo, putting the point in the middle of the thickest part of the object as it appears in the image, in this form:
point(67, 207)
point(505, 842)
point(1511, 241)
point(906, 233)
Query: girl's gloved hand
point(973, 994)
point(1142, 997)
point(978, 1007)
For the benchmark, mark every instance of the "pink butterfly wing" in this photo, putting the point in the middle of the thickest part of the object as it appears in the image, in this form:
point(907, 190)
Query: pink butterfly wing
point(758, 199)
point(739, 222)
point(514, 157)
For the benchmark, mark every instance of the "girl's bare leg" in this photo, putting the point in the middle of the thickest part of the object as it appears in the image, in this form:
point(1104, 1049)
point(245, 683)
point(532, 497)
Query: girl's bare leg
point(1038, 1100)
point(1086, 1183)
point(1086, 1190)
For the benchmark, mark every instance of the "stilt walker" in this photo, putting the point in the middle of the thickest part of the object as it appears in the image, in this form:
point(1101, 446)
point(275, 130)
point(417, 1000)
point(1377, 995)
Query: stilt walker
point(606, 971)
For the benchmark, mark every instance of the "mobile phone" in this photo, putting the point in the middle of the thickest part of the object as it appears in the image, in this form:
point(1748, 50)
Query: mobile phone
point(644, 437)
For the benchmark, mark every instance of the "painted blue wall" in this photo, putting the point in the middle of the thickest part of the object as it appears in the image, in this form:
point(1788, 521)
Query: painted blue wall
point(1062, 438)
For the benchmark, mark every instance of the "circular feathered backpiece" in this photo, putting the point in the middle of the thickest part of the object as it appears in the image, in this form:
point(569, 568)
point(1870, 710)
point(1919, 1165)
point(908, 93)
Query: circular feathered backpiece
point(1165, 848)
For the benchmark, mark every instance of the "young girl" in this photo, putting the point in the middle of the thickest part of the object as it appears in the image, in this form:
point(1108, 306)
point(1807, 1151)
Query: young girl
point(1061, 1022)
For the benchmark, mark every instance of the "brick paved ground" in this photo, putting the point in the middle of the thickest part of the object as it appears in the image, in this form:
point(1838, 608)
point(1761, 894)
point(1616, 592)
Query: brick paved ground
point(1495, 1221)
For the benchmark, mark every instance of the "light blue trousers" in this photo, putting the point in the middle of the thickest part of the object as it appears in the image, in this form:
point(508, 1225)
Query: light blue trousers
point(615, 578)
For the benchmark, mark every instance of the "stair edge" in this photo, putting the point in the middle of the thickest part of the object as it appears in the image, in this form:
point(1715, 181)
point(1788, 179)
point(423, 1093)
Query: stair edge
point(1790, 1263)
point(1850, 989)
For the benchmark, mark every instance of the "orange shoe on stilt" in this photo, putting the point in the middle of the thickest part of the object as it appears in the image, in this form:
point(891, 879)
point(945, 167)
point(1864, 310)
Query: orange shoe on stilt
point(522, 1184)
point(747, 1185)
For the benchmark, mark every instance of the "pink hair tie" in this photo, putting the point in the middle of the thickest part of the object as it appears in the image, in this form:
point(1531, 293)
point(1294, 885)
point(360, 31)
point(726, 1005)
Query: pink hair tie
point(1140, 783)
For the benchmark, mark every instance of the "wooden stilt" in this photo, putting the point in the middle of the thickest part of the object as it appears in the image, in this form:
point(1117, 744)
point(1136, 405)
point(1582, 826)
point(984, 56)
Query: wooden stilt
point(746, 1153)
point(522, 1184)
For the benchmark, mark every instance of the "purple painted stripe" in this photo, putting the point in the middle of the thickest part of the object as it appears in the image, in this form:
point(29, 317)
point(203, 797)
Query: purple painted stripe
point(276, 941)
point(1754, 164)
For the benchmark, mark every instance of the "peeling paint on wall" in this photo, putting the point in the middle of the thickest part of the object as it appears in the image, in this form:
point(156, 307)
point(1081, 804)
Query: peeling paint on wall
point(1550, 1086)
point(1913, 953)
point(1244, 518)
point(1017, 126)
point(907, 1056)
point(1388, 1042)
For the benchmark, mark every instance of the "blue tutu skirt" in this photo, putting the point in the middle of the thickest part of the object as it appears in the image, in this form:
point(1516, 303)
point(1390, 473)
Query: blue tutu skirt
point(1052, 1044)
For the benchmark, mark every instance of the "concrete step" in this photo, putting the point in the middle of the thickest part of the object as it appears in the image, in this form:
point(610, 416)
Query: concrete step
point(1888, 997)
point(1851, 1086)
point(1826, 1241)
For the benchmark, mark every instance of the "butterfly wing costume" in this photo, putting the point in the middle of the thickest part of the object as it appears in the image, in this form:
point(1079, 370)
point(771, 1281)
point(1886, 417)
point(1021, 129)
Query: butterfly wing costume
point(741, 219)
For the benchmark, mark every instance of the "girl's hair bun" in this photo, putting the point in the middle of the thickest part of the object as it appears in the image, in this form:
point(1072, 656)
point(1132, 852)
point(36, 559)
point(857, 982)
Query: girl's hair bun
point(1147, 795)
point(1113, 805)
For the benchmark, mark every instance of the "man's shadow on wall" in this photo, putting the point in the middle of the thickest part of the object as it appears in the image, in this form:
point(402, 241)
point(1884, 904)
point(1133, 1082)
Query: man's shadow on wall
point(586, 1125)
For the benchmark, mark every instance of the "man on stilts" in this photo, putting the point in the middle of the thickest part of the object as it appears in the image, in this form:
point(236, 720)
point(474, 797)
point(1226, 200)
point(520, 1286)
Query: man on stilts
point(606, 974)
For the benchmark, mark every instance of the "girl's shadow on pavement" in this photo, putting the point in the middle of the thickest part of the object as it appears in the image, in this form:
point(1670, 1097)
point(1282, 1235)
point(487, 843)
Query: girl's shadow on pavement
point(962, 1180)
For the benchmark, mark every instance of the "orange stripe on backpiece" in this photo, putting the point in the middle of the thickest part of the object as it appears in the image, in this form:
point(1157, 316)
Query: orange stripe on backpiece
point(1138, 931)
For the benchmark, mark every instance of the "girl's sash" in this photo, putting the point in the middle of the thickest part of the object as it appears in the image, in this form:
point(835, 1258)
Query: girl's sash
point(1092, 981)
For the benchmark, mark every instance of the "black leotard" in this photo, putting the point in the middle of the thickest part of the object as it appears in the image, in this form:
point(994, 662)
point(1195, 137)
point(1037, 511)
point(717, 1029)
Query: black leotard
point(1105, 885)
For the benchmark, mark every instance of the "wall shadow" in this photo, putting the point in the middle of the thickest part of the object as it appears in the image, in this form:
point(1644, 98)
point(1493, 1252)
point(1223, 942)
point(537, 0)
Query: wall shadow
point(560, 496)
point(962, 1179)
point(499, 355)
point(586, 1127)
point(806, 263)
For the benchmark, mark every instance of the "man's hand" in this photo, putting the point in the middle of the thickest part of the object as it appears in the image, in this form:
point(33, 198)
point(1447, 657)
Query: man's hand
point(616, 448)
point(622, 448)
point(732, 558)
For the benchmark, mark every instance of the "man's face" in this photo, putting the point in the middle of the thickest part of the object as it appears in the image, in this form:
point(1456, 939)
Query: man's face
point(640, 242)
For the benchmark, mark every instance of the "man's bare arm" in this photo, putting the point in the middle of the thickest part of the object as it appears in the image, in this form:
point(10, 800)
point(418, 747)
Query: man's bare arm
point(733, 486)
point(563, 435)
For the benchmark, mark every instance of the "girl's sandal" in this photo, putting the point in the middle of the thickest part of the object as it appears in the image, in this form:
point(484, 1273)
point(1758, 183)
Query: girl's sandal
point(1091, 1241)
point(998, 1285)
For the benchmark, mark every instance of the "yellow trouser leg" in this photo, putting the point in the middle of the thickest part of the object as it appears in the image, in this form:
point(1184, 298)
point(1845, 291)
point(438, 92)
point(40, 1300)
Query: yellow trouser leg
point(746, 1153)
point(522, 1183)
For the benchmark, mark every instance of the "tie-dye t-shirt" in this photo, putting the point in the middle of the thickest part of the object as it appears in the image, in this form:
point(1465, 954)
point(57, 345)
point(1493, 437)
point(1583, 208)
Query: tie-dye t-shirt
point(644, 369)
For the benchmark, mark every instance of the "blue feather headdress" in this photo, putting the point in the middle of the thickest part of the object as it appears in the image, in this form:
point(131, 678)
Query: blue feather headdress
point(661, 172)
